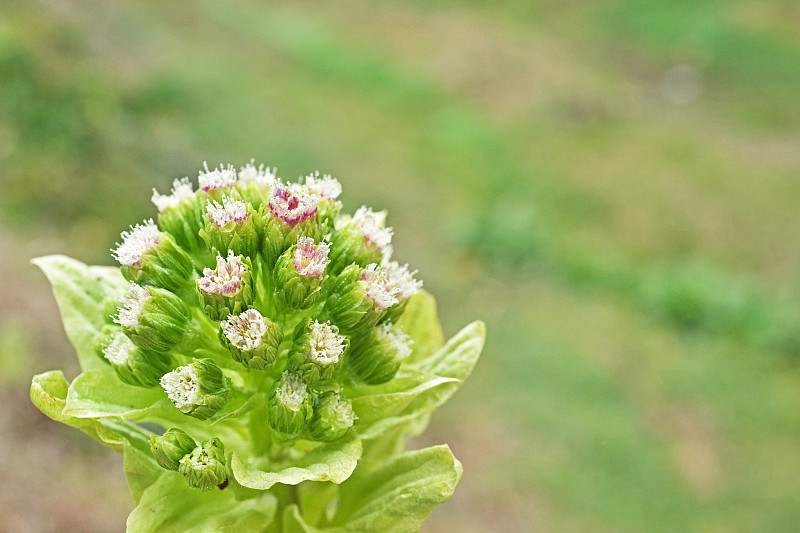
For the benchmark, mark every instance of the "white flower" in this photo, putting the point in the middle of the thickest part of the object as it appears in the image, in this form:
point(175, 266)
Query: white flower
point(135, 243)
point(222, 177)
point(310, 259)
point(396, 339)
point(325, 344)
point(293, 203)
point(377, 288)
point(230, 211)
point(372, 226)
point(119, 349)
point(226, 280)
point(292, 392)
point(326, 187)
point(132, 305)
point(181, 192)
point(246, 330)
point(261, 175)
point(403, 280)
point(182, 386)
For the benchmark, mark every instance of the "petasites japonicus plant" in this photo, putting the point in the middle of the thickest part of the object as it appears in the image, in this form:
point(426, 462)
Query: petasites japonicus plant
point(283, 353)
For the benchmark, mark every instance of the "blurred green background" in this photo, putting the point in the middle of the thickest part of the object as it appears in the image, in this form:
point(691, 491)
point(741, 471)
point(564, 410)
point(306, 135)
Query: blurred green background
point(612, 186)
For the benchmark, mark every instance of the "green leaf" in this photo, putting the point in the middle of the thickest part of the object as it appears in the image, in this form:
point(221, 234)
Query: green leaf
point(49, 392)
point(80, 291)
point(170, 505)
point(334, 461)
point(421, 322)
point(99, 393)
point(457, 358)
point(447, 369)
point(395, 498)
point(391, 398)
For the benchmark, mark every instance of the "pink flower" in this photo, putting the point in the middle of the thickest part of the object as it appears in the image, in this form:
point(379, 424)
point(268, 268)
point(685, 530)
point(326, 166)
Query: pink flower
point(230, 211)
point(293, 203)
point(226, 280)
point(310, 259)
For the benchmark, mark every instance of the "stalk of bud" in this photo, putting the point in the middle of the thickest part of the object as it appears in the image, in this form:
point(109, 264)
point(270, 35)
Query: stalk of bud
point(251, 338)
point(133, 365)
point(228, 289)
point(199, 389)
point(299, 274)
point(376, 358)
point(232, 225)
point(147, 255)
point(358, 298)
point(154, 319)
point(361, 239)
point(205, 467)
point(171, 447)
point(290, 405)
point(317, 350)
point(333, 416)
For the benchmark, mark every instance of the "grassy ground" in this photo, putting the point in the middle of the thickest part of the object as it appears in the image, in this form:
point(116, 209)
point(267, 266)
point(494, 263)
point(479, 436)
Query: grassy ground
point(612, 188)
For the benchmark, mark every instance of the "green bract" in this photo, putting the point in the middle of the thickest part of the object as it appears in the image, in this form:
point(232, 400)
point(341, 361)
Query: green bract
point(284, 353)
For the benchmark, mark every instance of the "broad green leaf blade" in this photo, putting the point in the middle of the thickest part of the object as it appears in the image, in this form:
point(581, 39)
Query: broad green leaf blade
point(80, 291)
point(458, 357)
point(100, 394)
point(395, 498)
point(334, 461)
point(170, 505)
point(451, 365)
point(391, 398)
point(421, 322)
point(49, 392)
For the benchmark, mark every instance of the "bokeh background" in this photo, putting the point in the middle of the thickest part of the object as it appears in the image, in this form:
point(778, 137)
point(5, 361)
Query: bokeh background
point(612, 186)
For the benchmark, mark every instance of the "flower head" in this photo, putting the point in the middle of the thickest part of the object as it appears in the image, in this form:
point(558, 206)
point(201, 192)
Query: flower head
point(310, 259)
point(132, 304)
point(377, 287)
point(141, 239)
point(219, 178)
point(261, 175)
point(400, 278)
point(245, 331)
point(231, 210)
point(372, 226)
point(325, 344)
point(293, 203)
point(226, 280)
point(118, 351)
point(182, 386)
point(325, 187)
point(395, 338)
point(181, 192)
point(292, 392)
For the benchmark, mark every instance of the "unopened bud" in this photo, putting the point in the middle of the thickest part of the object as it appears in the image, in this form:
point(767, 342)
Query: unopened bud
point(299, 274)
point(252, 338)
point(333, 416)
point(317, 350)
point(132, 364)
point(155, 319)
point(358, 298)
point(361, 239)
point(377, 357)
point(290, 405)
point(199, 389)
point(168, 449)
point(205, 467)
point(148, 255)
point(228, 289)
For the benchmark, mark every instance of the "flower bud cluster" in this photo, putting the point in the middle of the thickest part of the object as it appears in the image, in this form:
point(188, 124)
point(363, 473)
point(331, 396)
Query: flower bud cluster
point(251, 287)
